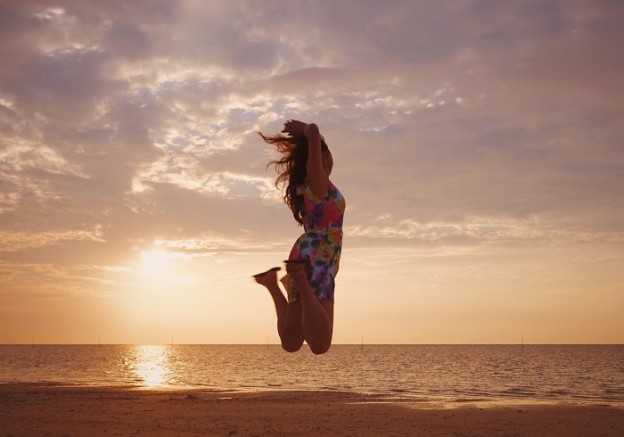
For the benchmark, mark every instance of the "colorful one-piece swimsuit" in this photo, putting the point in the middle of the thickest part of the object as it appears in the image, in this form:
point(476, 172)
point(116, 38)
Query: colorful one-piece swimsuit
point(321, 244)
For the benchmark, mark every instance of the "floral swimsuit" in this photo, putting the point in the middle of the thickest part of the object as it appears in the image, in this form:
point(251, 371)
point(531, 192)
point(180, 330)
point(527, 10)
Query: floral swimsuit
point(321, 243)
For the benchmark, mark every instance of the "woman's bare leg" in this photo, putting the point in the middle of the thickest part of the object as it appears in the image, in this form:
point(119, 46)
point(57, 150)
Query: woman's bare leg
point(289, 326)
point(291, 331)
point(317, 316)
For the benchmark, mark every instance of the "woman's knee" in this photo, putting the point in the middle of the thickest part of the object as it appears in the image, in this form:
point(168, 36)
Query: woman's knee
point(319, 348)
point(290, 346)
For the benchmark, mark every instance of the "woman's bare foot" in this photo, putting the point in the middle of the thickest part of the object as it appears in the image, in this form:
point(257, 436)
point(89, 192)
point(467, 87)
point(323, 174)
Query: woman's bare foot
point(268, 277)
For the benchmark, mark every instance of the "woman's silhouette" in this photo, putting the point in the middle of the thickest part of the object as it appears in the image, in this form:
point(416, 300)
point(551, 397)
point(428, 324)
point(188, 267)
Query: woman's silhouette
point(304, 167)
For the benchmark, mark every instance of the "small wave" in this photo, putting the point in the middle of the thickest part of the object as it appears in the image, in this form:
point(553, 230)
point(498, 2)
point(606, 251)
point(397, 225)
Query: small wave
point(398, 390)
point(518, 391)
point(555, 393)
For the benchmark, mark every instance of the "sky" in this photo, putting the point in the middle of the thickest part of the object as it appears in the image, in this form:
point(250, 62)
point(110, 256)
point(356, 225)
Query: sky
point(478, 145)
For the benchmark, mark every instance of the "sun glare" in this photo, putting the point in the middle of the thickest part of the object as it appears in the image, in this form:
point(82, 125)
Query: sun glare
point(154, 263)
point(152, 365)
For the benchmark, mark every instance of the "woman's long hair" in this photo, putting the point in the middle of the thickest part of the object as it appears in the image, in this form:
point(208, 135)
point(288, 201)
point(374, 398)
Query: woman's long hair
point(291, 168)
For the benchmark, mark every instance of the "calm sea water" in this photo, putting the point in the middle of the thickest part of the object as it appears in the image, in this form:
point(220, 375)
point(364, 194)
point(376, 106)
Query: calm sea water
point(422, 372)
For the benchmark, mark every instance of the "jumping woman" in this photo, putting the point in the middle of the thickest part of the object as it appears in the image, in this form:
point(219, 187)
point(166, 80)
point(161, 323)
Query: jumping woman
point(304, 167)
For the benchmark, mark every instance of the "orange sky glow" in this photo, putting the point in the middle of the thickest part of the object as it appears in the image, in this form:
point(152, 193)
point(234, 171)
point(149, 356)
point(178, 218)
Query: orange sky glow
point(478, 145)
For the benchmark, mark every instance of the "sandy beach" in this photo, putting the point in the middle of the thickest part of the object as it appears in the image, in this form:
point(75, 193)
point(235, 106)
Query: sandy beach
point(30, 409)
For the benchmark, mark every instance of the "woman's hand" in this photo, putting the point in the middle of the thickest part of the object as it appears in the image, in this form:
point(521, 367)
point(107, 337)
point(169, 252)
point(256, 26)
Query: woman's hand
point(294, 128)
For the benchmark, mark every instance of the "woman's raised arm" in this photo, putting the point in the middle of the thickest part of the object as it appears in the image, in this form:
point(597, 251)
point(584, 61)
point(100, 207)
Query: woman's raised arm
point(317, 176)
point(318, 179)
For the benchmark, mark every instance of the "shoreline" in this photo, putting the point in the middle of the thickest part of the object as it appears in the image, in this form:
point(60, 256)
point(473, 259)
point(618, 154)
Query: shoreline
point(38, 409)
point(372, 397)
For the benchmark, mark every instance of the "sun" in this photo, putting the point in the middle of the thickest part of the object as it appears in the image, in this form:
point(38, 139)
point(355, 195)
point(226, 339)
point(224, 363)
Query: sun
point(154, 263)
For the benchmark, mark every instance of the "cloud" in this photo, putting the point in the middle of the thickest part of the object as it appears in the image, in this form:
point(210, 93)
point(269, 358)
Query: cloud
point(18, 241)
point(480, 231)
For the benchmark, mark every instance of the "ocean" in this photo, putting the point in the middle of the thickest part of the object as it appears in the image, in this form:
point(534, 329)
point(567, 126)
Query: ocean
point(428, 373)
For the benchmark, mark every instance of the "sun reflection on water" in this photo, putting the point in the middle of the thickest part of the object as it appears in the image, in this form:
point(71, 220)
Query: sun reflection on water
point(153, 367)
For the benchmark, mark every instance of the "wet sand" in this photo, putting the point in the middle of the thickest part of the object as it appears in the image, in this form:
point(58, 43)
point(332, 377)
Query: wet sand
point(33, 410)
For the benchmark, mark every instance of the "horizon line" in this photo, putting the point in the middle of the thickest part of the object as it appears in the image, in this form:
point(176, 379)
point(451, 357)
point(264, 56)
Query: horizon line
point(335, 344)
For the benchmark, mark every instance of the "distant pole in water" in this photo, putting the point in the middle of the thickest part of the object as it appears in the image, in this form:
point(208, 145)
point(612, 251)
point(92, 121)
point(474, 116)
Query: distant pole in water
point(362, 342)
point(522, 343)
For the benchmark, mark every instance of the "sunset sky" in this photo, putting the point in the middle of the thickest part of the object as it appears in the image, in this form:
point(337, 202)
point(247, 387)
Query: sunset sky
point(479, 145)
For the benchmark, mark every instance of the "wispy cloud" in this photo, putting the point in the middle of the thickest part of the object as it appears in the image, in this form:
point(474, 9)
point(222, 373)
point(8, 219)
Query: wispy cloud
point(18, 241)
